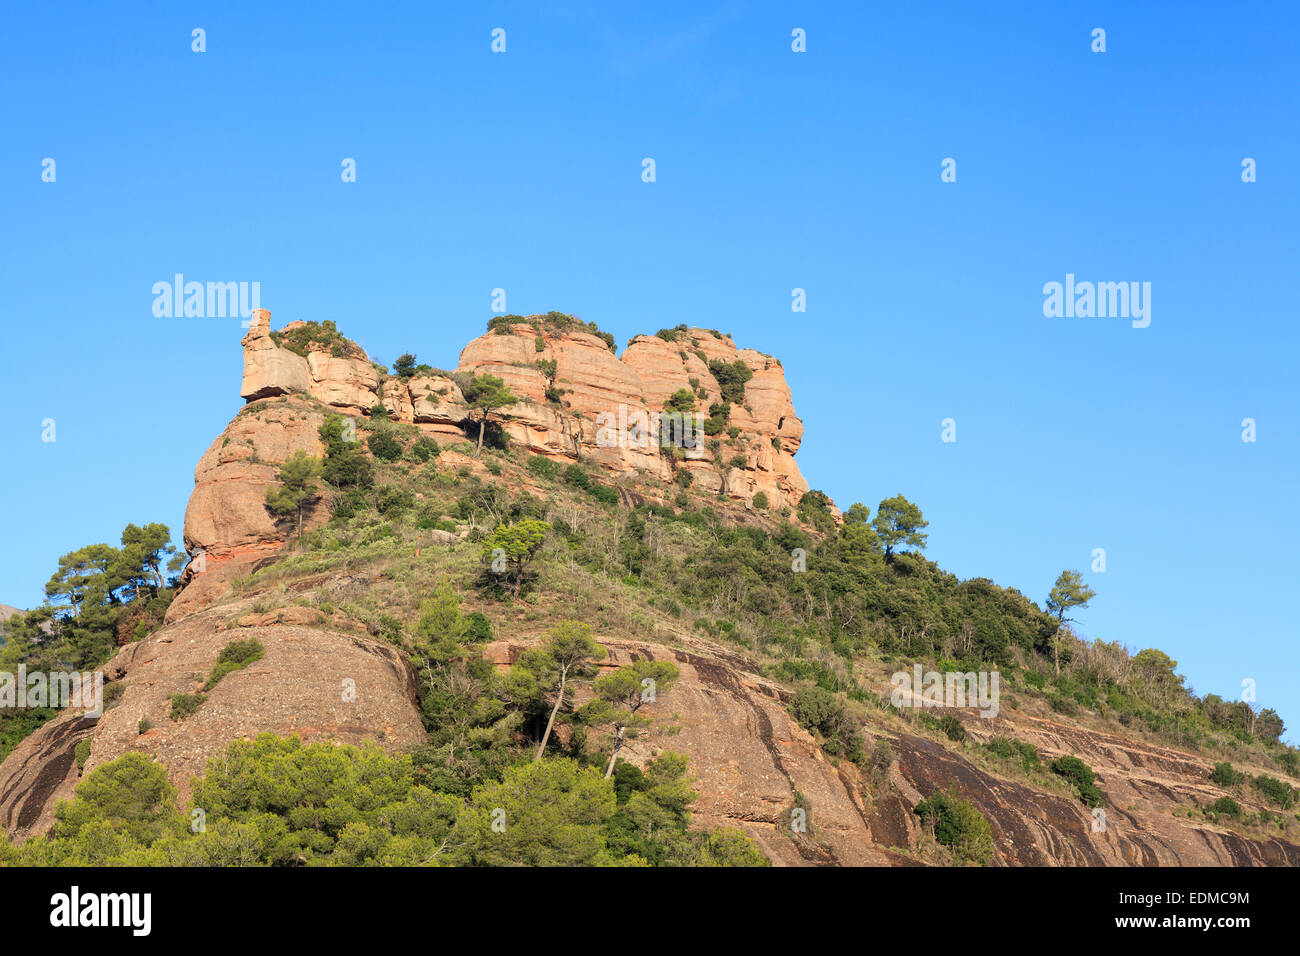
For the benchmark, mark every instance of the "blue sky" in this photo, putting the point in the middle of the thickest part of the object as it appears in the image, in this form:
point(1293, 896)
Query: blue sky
point(775, 170)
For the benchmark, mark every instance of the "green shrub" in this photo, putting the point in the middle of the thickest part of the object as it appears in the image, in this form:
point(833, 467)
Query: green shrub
point(476, 628)
point(1063, 705)
point(952, 727)
point(731, 379)
point(815, 508)
point(760, 500)
point(424, 448)
point(233, 657)
point(345, 465)
point(674, 334)
point(822, 712)
point(1275, 791)
point(185, 704)
point(394, 500)
point(1289, 761)
point(958, 825)
point(82, 753)
point(1225, 776)
point(577, 476)
point(384, 445)
point(431, 519)
point(1081, 775)
point(1011, 749)
point(543, 467)
point(604, 494)
point(301, 339)
point(554, 321)
point(1224, 806)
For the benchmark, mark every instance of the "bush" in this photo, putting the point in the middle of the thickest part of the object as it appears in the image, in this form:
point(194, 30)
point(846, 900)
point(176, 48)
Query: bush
point(301, 339)
point(233, 657)
point(815, 508)
point(821, 712)
point(543, 467)
point(1063, 705)
point(394, 500)
point(731, 379)
point(958, 825)
point(760, 500)
point(345, 465)
point(1011, 749)
point(1224, 806)
point(1289, 761)
point(604, 494)
point(477, 628)
point(430, 519)
point(1275, 791)
point(1225, 776)
point(82, 753)
point(576, 475)
point(1081, 775)
point(185, 704)
point(952, 727)
point(384, 445)
point(424, 448)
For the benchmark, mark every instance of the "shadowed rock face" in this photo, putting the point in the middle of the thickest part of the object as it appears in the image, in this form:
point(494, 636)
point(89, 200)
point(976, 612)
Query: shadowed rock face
point(1144, 784)
point(753, 761)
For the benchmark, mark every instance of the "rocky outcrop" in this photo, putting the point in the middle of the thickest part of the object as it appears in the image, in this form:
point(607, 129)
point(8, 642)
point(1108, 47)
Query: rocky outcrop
point(752, 762)
point(314, 680)
point(324, 679)
point(596, 400)
point(602, 397)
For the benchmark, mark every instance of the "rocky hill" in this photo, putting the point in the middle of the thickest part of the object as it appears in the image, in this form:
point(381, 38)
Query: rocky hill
point(329, 673)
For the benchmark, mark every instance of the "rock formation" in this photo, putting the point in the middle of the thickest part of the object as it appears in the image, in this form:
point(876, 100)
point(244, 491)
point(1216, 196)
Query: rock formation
point(324, 678)
point(599, 394)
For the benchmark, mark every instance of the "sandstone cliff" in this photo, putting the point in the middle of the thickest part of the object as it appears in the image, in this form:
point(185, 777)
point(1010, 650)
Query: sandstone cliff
point(592, 383)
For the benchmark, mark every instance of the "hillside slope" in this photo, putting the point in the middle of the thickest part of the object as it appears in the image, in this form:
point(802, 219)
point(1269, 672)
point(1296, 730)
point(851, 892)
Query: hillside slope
point(334, 614)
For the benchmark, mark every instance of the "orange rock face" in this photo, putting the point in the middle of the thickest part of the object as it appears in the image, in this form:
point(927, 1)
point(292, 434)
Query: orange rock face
point(603, 409)
point(603, 396)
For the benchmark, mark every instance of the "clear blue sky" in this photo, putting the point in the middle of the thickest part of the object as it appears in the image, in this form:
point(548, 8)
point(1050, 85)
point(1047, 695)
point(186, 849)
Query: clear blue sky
point(775, 170)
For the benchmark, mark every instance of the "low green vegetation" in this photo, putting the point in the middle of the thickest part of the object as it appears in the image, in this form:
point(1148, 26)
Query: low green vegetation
point(1080, 775)
point(1225, 776)
point(316, 336)
point(958, 825)
point(731, 378)
point(824, 713)
point(1018, 751)
point(234, 656)
point(550, 322)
